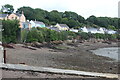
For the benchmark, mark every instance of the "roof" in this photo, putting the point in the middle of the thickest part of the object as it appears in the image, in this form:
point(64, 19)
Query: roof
point(18, 14)
point(63, 25)
point(26, 22)
point(92, 29)
point(38, 22)
point(54, 28)
point(3, 15)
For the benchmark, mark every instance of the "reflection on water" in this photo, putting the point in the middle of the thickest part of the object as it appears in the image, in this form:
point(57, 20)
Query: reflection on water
point(112, 52)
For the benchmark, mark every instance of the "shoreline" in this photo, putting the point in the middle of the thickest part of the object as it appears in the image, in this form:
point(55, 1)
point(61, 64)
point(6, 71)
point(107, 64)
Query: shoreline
point(77, 57)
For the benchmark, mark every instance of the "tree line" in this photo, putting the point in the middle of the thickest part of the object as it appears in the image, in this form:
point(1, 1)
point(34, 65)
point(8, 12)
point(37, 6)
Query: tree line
point(13, 34)
point(72, 19)
point(46, 35)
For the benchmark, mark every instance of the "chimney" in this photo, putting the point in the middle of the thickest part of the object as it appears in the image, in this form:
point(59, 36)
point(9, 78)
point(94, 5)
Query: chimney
point(22, 12)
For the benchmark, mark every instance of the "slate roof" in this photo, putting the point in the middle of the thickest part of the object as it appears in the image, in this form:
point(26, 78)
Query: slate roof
point(18, 14)
point(38, 22)
point(54, 28)
point(92, 29)
point(63, 25)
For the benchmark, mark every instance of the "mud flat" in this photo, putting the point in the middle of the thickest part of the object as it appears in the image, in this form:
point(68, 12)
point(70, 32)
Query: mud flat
point(66, 56)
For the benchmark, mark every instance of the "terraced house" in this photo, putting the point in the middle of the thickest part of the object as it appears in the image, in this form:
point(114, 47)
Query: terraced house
point(14, 16)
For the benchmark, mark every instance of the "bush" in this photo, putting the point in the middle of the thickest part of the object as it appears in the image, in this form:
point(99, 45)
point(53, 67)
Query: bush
point(84, 36)
point(47, 35)
point(11, 32)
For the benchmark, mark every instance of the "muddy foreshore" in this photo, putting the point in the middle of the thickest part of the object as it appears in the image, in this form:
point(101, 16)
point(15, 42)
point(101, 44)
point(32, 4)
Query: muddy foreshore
point(75, 56)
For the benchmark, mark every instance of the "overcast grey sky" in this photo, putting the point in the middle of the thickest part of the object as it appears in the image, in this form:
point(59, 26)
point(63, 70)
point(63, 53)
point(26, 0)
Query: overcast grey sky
point(84, 8)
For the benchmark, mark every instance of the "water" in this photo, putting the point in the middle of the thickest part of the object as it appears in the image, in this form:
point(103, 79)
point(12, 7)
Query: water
point(111, 52)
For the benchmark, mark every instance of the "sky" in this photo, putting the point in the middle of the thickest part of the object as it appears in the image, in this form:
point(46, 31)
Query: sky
point(84, 8)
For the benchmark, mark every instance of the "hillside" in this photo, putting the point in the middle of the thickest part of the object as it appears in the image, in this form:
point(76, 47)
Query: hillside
point(72, 19)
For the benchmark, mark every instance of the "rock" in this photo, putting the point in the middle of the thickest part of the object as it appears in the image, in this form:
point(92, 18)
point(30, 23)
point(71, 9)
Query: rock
point(8, 45)
point(37, 44)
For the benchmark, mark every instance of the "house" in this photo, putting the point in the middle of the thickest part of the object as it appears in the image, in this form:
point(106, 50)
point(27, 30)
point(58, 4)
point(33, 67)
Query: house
point(14, 16)
point(62, 27)
point(93, 30)
point(54, 28)
point(84, 29)
point(101, 30)
point(36, 24)
point(74, 30)
point(26, 25)
point(111, 32)
point(96, 30)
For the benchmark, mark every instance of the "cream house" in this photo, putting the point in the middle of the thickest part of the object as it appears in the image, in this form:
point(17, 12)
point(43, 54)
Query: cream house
point(62, 27)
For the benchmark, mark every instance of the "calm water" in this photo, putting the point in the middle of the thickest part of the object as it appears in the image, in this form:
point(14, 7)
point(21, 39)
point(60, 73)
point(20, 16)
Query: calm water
point(112, 52)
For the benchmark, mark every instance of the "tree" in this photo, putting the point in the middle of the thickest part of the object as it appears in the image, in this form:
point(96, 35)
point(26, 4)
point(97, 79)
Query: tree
point(81, 19)
point(11, 31)
point(54, 16)
point(92, 19)
point(70, 18)
point(70, 15)
point(7, 9)
point(28, 12)
point(72, 23)
point(64, 20)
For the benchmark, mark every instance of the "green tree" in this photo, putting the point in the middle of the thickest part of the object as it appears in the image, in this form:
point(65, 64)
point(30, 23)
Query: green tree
point(64, 20)
point(81, 19)
point(7, 8)
point(73, 23)
point(54, 16)
point(70, 15)
point(11, 31)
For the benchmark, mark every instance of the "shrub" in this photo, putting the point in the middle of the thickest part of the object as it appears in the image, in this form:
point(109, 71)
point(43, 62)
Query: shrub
point(11, 32)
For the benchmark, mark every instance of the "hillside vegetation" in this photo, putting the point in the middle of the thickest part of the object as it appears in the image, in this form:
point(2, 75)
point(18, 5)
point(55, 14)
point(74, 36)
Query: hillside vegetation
point(72, 19)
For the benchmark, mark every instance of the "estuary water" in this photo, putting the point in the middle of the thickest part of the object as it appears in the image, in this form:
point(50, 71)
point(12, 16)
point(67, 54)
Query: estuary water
point(111, 52)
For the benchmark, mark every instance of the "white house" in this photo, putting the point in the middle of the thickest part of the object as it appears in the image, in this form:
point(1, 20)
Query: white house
point(101, 30)
point(111, 32)
point(74, 30)
point(84, 29)
point(37, 24)
point(93, 30)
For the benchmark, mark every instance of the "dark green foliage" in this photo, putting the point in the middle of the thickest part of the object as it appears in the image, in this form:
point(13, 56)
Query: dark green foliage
point(70, 15)
point(28, 12)
point(72, 23)
point(104, 22)
point(84, 36)
point(72, 19)
point(55, 16)
point(87, 36)
point(47, 35)
point(11, 31)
